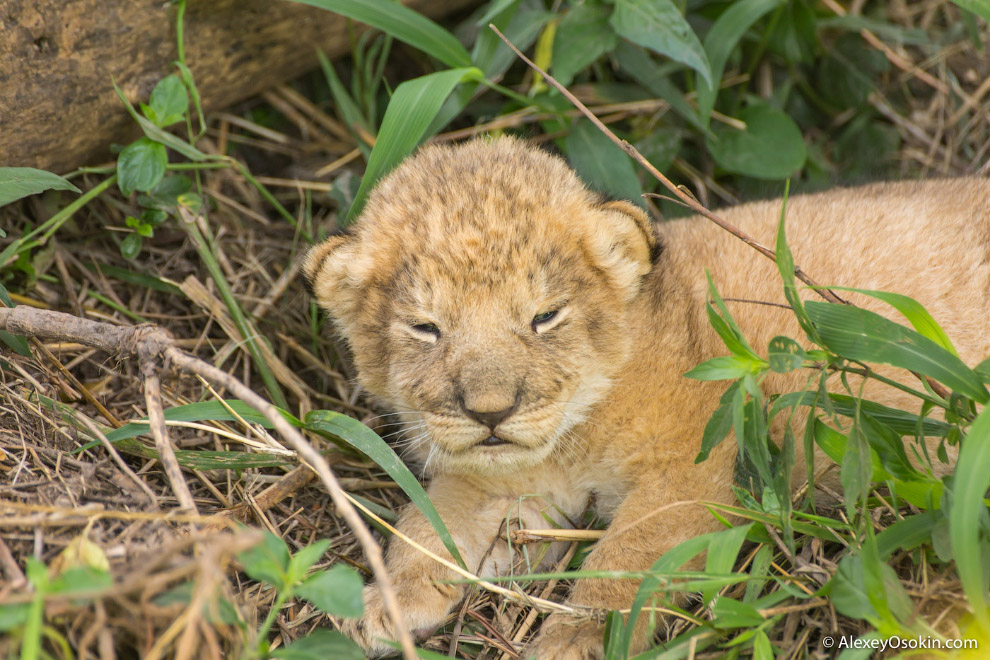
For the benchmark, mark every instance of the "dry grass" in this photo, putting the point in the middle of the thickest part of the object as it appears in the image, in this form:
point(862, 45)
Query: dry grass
point(50, 495)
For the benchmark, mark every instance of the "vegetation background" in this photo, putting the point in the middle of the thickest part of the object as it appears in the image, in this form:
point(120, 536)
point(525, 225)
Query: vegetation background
point(198, 226)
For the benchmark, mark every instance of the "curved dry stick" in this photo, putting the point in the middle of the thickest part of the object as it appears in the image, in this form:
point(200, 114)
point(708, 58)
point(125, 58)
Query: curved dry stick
point(151, 344)
point(687, 199)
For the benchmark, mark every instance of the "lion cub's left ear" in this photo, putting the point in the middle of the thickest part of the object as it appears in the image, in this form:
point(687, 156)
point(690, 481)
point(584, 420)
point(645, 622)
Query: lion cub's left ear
point(624, 243)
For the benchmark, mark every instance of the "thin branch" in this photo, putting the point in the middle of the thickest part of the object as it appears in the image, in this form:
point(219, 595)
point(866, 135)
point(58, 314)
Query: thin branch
point(166, 454)
point(687, 199)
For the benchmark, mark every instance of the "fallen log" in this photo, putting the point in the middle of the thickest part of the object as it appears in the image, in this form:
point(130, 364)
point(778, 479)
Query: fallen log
point(58, 109)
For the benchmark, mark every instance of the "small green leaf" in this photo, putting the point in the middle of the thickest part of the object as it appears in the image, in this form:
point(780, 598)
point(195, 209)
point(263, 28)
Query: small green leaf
point(13, 616)
point(583, 35)
point(268, 561)
point(720, 423)
point(320, 645)
point(762, 648)
point(659, 26)
point(722, 368)
point(81, 578)
point(17, 182)
point(303, 560)
point(603, 166)
point(859, 334)
point(785, 355)
point(771, 147)
point(141, 166)
point(130, 247)
point(168, 102)
point(338, 591)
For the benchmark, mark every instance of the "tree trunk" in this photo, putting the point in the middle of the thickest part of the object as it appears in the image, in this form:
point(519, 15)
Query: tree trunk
point(58, 59)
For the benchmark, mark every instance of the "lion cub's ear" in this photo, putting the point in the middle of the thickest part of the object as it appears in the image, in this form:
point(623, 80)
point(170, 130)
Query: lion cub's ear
point(624, 243)
point(336, 271)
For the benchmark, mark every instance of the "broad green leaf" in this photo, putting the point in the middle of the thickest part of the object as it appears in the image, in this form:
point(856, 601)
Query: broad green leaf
point(762, 648)
point(78, 579)
point(720, 423)
point(13, 616)
point(904, 423)
point(721, 40)
point(320, 644)
point(603, 166)
point(968, 515)
point(979, 7)
point(141, 165)
point(168, 102)
point(402, 23)
point(730, 613)
point(722, 555)
point(359, 436)
point(304, 559)
point(268, 561)
point(856, 467)
point(17, 182)
point(906, 534)
point(785, 355)
point(659, 26)
point(521, 24)
point(583, 36)
point(338, 591)
point(771, 147)
point(656, 78)
point(413, 106)
point(859, 334)
point(913, 311)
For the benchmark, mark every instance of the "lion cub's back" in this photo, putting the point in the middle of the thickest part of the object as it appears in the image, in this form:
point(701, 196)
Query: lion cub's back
point(926, 239)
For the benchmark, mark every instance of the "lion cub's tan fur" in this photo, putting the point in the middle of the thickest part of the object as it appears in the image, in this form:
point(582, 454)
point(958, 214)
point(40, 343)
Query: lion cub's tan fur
point(533, 339)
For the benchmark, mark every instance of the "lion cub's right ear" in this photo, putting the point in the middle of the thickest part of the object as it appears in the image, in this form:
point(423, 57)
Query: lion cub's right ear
point(336, 271)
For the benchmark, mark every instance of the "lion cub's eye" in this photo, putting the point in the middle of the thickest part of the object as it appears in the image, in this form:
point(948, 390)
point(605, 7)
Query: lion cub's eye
point(428, 331)
point(544, 320)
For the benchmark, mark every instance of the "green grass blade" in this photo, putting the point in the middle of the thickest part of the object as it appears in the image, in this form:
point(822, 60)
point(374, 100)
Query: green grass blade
point(413, 106)
point(979, 7)
point(914, 312)
point(785, 266)
point(859, 334)
point(402, 23)
point(721, 40)
point(359, 436)
point(969, 511)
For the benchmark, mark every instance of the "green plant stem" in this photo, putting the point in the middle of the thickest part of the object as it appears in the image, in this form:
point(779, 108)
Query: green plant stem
point(869, 373)
point(269, 621)
point(203, 248)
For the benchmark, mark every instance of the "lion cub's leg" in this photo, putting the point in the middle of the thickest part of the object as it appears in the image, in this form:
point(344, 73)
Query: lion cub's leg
point(476, 513)
point(656, 515)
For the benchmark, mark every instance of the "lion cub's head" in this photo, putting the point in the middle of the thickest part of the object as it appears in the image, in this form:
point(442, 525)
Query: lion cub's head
point(484, 293)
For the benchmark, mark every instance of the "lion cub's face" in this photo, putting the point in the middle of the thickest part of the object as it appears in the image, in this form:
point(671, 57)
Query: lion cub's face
point(484, 293)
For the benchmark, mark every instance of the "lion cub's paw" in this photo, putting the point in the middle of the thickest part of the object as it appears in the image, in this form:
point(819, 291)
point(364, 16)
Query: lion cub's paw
point(423, 611)
point(561, 638)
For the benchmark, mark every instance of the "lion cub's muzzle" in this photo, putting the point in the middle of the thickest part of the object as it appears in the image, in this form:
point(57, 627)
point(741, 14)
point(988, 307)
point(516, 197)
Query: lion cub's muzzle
point(488, 412)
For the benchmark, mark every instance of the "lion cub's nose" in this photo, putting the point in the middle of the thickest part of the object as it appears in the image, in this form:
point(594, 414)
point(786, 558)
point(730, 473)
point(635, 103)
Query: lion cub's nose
point(490, 418)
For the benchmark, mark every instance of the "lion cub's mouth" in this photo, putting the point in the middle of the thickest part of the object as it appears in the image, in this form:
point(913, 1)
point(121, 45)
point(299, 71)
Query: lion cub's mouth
point(493, 441)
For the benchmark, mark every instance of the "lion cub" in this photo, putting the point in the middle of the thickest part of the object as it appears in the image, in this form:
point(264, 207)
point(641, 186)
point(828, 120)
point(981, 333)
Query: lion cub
point(532, 337)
